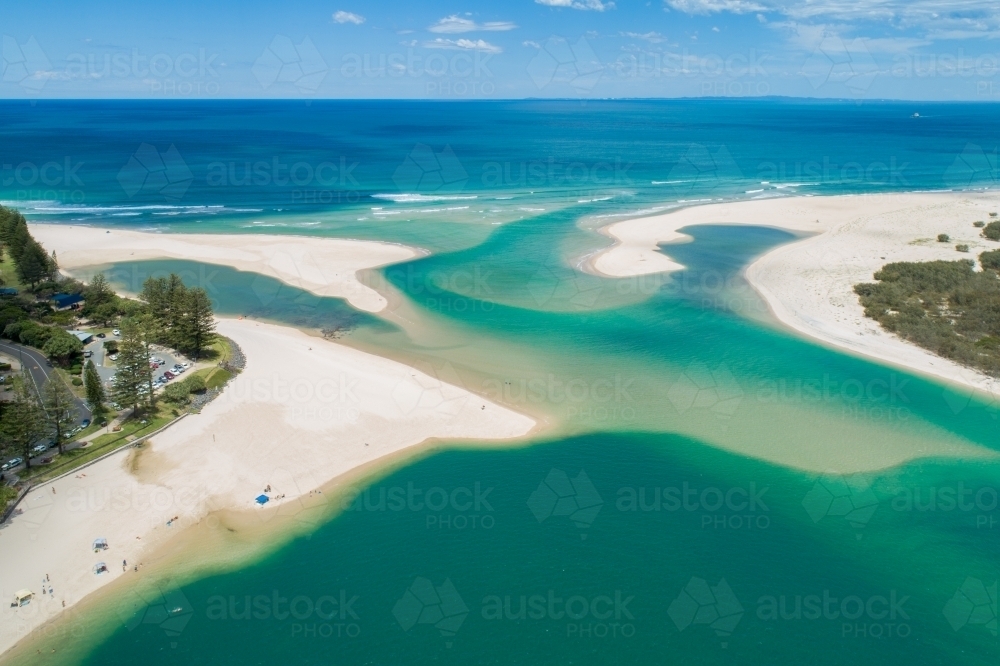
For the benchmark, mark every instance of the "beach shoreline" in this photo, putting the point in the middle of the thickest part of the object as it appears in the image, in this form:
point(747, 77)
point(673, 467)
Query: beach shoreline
point(295, 425)
point(321, 266)
point(808, 283)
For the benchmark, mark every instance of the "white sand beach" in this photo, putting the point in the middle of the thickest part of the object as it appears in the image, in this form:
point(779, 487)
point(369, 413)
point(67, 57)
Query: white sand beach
point(303, 412)
point(322, 266)
point(809, 283)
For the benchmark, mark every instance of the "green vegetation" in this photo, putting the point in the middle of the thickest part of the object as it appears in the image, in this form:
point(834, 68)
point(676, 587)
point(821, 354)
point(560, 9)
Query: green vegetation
point(979, 224)
point(184, 318)
point(23, 421)
point(992, 231)
point(94, 388)
point(943, 238)
point(946, 307)
point(961, 247)
point(59, 405)
point(32, 264)
point(178, 392)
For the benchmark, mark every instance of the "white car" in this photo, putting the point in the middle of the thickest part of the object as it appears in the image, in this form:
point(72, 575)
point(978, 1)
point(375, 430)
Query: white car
point(116, 332)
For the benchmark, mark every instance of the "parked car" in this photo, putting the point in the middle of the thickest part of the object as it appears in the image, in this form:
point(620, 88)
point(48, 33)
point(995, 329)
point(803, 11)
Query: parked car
point(88, 354)
point(11, 464)
point(158, 361)
point(169, 375)
point(114, 357)
point(85, 423)
point(39, 448)
point(101, 335)
point(116, 332)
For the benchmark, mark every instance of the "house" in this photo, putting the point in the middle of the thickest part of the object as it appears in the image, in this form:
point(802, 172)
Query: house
point(82, 336)
point(8, 291)
point(63, 301)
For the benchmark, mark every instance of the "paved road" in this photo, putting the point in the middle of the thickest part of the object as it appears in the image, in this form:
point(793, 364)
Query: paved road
point(38, 368)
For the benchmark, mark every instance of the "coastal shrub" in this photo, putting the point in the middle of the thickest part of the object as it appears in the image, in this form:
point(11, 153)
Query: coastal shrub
point(990, 260)
point(195, 384)
point(992, 231)
point(993, 214)
point(946, 307)
point(979, 224)
point(4, 367)
point(943, 238)
point(962, 247)
point(176, 393)
point(77, 381)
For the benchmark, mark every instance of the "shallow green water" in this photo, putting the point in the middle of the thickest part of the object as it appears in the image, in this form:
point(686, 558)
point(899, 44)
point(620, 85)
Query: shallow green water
point(659, 520)
point(653, 383)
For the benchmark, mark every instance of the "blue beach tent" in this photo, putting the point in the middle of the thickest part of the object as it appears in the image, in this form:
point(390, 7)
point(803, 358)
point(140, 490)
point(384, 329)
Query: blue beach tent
point(262, 499)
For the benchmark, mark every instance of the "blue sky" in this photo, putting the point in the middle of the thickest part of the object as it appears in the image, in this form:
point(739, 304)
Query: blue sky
point(446, 49)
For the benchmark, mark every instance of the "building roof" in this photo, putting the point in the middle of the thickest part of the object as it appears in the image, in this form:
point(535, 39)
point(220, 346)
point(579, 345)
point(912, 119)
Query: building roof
point(63, 300)
point(82, 336)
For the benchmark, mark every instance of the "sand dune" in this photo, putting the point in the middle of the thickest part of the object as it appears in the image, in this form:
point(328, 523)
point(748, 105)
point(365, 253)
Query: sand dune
point(322, 266)
point(808, 284)
point(305, 411)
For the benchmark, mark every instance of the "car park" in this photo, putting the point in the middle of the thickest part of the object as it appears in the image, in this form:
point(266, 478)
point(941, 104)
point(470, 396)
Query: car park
point(11, 464)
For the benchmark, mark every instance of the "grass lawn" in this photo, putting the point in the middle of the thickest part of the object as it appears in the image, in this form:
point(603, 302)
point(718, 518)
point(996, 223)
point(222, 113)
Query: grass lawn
point(218, 352)
point(214, 377)
point(8, 273)
point(131, 429)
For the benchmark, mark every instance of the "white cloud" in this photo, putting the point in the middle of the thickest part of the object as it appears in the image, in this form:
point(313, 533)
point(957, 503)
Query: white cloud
point(940, 19)
point(586, 5)
point(348, 17)
point(454, 24)
point(463, 45)
point(651, 37)
point(715, 6)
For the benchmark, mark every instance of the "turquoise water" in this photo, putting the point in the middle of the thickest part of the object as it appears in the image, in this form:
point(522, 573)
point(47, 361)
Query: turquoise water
point(629, 527)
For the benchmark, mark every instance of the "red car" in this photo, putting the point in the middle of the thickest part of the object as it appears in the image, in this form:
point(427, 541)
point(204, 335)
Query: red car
point(169, 375)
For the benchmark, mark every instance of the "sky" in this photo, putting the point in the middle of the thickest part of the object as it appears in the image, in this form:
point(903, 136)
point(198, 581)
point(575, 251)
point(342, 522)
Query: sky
point(475, 50)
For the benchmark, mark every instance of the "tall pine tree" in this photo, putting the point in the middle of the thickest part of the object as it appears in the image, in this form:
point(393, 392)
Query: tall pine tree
point(60, 407)
point(133, 375)
point(94, 388)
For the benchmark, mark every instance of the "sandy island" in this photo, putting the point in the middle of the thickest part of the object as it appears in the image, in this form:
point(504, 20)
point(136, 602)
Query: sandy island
point(321, 266)
point(303, 412)
point(809, 284)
